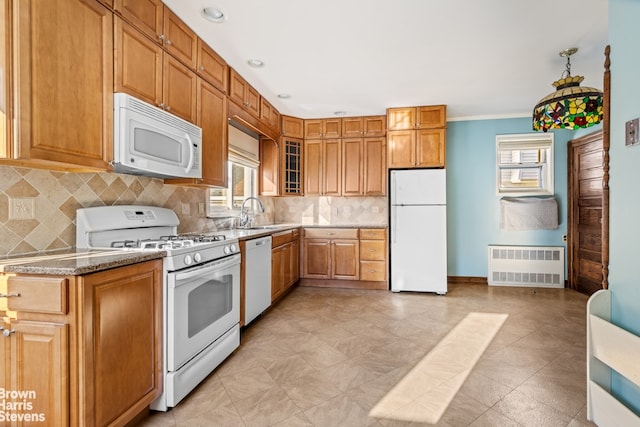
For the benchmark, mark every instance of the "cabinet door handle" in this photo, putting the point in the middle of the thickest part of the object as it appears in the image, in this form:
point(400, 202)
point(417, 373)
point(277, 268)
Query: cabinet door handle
point(13, 295)
point(168, 108)
point(201, 68)
point(372, 250)
point(161, 37)
point(331, 234)
point(7, 332)
point(168, 42)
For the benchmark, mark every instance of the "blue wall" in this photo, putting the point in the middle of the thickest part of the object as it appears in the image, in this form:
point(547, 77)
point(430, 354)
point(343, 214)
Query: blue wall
point(624, 273)
point(473, 214)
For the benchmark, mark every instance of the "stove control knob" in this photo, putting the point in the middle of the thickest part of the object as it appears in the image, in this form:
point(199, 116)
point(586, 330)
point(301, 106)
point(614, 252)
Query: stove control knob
point(227, 250)
point(197, 257)
point(234, 248)
point(188, 260)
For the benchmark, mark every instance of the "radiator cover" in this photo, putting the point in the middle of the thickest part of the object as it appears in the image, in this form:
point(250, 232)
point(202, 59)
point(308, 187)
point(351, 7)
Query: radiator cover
point(532, 266)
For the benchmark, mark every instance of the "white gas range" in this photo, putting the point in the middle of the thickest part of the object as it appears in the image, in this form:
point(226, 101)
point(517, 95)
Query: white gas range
point(201, 291)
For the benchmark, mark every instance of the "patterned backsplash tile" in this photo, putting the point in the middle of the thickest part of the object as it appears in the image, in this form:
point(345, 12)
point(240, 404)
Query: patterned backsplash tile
point(38, 207)
point(331, 210)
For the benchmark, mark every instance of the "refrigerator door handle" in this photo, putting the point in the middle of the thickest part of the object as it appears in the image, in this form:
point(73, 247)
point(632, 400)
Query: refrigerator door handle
point(394, 213)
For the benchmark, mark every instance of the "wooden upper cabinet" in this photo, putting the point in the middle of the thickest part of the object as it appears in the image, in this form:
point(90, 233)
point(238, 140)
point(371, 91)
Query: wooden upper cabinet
point(323, 167)
point(401, 148)
point(145, 15)
point(375, 125)
point(179, 89)
point(242, 93)
point(375, 166)
point(269, 115)
point(426, 117)
point(179, 40)
point(352, 127)
point(332, 167)
point(57, 66)
point(145, 71)
point(355, 127)
point(430, 148)
point(322, 128)
point(269, 168)
point(292, 127)
point(138, 64)
point(416, 137)
point(212, 67)
point(313, 167)
point(212, 118)
point(352, 166)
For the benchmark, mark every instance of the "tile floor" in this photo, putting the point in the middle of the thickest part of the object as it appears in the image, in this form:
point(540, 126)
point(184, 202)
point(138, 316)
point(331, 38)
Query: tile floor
point(325, 357)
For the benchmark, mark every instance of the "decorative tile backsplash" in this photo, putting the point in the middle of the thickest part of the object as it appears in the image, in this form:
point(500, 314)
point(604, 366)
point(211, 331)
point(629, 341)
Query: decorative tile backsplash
point(38, 207)
point(331, 210)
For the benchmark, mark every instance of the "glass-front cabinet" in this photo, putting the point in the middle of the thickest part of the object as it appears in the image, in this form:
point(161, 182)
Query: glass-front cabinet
point(292, 166)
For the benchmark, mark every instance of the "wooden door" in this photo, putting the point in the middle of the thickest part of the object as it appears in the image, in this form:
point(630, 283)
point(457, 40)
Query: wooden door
point(313, 129)
point(313, 167)
point(316, 258)
point(345, 259)
point(431, 116)
point(292, 127)
point(138, 64)
point(401, 118)
point(269, 168)
point(331, 167)
point(375, 167)
point(212, 118)
point(430, 148)
point(331, 128)
point(585, 198)
point(352, 167)
point(352, 127)
point(145, 15)
point(277, 274)
point(374, 125)
point(64, 53)
point(179, 89)
point(401, 148)
point(180, 41)
point(291, 166)
point(39, 360)
point(122, 339)
point(212, 67)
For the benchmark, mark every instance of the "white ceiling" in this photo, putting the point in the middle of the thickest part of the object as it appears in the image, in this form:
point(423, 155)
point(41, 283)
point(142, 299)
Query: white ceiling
point(483, 58)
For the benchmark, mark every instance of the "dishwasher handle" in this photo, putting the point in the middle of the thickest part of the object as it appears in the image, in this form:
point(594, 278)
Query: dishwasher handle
point(262, 241)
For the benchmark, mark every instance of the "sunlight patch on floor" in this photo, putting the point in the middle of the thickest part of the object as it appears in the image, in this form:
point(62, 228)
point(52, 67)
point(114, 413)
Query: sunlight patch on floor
point(426, 391)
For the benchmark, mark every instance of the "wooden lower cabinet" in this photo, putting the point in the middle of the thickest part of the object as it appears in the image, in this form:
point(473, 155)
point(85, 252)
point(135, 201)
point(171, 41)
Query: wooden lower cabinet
point(345, 257)
point(330, 253)
point(88, 347)
point(285, 261)
point(373, 255)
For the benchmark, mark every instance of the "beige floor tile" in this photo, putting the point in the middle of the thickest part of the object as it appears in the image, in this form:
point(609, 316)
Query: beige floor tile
point(325, 357)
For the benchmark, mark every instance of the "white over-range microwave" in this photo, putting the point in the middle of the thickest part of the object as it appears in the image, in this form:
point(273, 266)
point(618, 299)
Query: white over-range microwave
point(152, 142)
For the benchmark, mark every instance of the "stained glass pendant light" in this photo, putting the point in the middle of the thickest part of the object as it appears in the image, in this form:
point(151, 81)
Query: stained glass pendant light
point(570, 106)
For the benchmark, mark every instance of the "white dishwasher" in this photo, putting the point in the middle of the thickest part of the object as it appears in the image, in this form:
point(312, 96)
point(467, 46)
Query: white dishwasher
point(257, 279)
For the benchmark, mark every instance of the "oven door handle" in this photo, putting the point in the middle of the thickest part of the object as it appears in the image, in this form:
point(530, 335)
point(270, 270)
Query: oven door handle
point(211, 266)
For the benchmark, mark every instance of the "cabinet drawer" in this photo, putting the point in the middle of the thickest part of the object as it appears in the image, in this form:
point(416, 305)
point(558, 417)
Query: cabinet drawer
point(373, 233)
point(372, 250)
point(374, 271)
point(278, 239)
point(331, 233)
point(38, 294)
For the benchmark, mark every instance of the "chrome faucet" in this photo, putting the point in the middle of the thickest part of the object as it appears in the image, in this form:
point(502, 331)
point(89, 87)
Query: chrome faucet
point(245, 220)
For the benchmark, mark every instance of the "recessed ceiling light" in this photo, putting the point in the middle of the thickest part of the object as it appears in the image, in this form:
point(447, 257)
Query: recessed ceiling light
point(340, 113)
point(255, 63)
point(284, 96)
point(213, 14)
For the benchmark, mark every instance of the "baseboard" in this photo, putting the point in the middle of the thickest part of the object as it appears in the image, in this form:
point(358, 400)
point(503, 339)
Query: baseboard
point(467, 280)
point(345, 284)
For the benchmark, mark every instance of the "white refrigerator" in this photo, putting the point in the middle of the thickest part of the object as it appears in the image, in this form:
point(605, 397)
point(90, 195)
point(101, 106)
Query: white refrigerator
point(418, 232)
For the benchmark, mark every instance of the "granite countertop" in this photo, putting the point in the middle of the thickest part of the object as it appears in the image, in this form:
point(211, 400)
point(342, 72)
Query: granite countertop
point(74, 262)
point(265, 230)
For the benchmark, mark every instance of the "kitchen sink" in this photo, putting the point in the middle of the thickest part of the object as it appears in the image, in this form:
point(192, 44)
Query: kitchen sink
point(264, 227)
